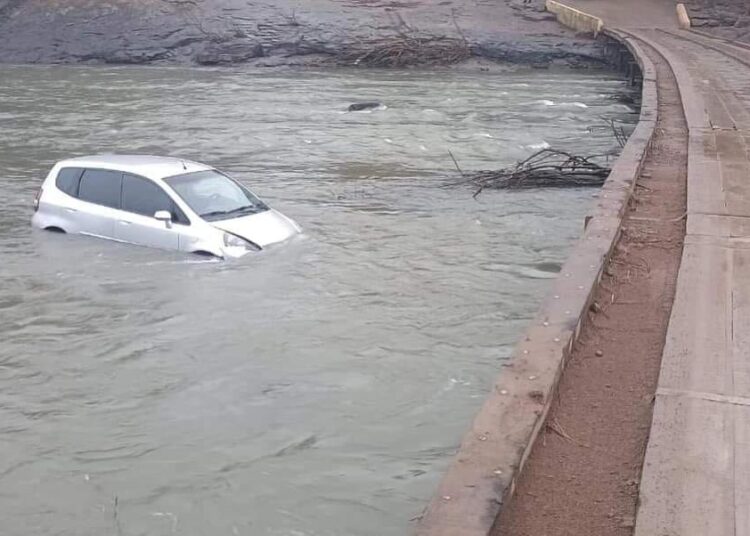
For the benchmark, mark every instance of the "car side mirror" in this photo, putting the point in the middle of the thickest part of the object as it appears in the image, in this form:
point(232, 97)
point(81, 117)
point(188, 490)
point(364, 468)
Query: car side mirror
point(165, 216)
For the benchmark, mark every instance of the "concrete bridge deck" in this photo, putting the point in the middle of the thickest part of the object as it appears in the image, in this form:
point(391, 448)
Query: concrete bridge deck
point(696, 476)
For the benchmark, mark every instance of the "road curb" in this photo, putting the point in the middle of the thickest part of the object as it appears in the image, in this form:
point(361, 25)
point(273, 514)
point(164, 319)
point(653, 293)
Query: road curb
point(492, 455)
point(683, 19)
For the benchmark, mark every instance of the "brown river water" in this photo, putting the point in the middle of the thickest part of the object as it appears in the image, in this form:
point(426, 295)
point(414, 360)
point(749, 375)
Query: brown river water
point(320, 387)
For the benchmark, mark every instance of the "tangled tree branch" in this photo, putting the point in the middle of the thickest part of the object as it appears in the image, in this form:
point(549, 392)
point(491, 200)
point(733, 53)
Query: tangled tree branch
point(621, 137)
point(405, 50)
point(547, 168)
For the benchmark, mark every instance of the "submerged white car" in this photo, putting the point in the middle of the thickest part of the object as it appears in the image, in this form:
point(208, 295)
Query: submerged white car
point(160, 202)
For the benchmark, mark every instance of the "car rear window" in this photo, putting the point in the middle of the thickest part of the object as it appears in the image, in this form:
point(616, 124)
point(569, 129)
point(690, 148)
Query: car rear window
point(67, 180)
point(101, 186)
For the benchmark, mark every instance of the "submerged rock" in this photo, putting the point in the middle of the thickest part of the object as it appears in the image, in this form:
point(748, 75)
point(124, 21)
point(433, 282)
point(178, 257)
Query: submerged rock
point(359, 106)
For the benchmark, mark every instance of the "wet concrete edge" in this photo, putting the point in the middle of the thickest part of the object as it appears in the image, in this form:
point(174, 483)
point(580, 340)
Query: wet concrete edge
point(492, 455)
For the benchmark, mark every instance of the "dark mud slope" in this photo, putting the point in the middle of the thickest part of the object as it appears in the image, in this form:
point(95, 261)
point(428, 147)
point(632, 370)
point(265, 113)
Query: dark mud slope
point(311, 32)
point(727, 18)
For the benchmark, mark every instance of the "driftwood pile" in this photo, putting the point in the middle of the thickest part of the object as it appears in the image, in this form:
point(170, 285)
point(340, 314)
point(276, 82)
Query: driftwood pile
point(409, 47)
point(408, 50)
point(547, 168)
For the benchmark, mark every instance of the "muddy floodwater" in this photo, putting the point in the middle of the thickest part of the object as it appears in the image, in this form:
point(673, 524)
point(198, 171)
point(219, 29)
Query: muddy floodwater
point(320, 387)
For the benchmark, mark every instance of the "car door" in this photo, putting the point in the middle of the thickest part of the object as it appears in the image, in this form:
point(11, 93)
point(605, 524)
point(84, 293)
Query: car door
point(141, 199)
point(99, 193)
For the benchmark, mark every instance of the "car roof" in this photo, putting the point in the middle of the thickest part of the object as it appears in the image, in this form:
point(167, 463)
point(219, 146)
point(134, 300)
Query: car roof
point(151, 167)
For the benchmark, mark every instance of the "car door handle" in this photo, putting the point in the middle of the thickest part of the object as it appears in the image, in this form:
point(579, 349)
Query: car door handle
point(123, 222)
point(71, 210)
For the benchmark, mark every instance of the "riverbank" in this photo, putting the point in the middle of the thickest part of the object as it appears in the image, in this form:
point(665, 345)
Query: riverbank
point(286, 33)
point(725, 18)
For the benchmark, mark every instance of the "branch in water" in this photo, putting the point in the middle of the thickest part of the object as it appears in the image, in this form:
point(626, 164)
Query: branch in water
point(548, 168)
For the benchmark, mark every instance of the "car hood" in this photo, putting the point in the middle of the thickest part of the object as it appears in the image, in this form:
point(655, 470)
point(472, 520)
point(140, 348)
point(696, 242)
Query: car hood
point(263, 229)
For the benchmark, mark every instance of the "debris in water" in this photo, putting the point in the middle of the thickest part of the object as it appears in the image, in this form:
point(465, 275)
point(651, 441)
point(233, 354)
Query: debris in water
point(548, 168)
point(359, 106)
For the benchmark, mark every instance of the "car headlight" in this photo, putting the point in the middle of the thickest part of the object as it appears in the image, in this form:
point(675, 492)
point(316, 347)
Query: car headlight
point(234, 241)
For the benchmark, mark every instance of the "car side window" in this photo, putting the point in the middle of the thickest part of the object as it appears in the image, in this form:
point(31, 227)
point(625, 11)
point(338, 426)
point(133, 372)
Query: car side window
point(101, 186)
point(141, 196)
point(67, 180)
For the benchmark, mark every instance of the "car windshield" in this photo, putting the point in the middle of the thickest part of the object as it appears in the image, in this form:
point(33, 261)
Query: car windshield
point(214, 196)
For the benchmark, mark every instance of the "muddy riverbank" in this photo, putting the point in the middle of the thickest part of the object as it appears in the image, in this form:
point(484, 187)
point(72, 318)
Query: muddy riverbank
point(727, 18)
point(281, 33)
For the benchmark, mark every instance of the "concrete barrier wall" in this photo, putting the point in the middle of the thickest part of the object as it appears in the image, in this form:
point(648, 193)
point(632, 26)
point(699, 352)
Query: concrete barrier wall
point(683, 19)
point(575, 19)
point(492, 455)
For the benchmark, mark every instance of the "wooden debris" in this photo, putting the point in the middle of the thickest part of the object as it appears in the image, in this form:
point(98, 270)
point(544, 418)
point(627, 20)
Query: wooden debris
point(408, 50)
point(548, 168)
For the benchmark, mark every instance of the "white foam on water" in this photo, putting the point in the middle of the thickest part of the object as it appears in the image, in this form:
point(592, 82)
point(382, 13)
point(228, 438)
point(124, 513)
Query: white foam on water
point(574, 104)
point(539, 146)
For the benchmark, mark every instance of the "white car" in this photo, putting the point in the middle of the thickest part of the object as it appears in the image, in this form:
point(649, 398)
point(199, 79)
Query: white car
point(160, 202)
